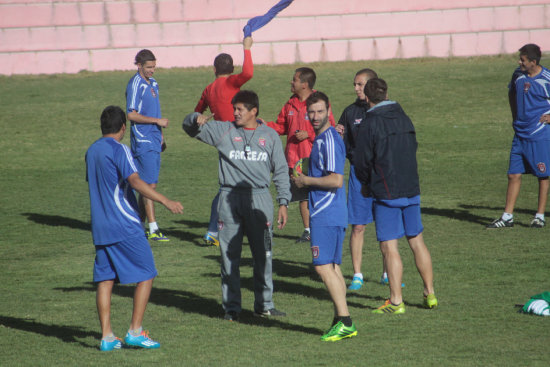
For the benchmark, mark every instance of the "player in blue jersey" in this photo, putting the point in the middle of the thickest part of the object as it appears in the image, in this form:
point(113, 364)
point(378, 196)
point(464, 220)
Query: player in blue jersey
point(328, 211)
point(385, 163)
point(123, 254)
point(146, 137)
point(529, 153)
point(359, 207)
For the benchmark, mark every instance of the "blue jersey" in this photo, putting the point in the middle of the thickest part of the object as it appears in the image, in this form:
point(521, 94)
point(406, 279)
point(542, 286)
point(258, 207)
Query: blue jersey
point(328, 155)
point(143, 97)
point(113, 205)
point(533, 101)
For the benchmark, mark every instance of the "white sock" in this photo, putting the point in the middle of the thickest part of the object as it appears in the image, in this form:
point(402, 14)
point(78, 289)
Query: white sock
point(507, 216)
point(136, 332)
point(153, 227)
point(358, 275)
point(213, 234)
point(540, 216)
point(307, 229)
point(385, 275)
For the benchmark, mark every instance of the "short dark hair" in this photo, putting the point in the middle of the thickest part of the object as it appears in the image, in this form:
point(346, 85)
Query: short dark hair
point(376, 90)
point(248, 98)
point(316, 97)
point(143, 56)
point(223, 64)
point(532, 52)
point(369, 72)
point(112, 119)
point(307, 75)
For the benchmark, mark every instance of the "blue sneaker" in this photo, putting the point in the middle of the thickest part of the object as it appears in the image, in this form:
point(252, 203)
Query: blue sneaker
point(142, 341)
point(211, 240)
point(384, 281)
point(356, 284)
point(107, 346)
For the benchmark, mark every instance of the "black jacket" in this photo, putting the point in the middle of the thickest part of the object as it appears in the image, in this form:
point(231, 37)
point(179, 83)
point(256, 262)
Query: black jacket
point(351, 118)
point(385, 153)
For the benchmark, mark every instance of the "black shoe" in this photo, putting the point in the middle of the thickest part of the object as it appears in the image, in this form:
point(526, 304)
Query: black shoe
point(501, 223)
point(306, 237)
point(268, 313)
point(538, 223)
point(231, 316)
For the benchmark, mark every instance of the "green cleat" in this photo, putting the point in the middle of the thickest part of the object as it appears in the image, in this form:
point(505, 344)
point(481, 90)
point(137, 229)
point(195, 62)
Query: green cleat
point(430, 301)
point(339, 331)
point(389, 307)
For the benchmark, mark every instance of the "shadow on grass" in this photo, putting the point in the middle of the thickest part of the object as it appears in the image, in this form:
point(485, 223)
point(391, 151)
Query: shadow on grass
point(282, 268)
point(466, 215)
point(185, 236)
point(57, 220)
point(193, 224)
point(190, 302)
point(67, 334)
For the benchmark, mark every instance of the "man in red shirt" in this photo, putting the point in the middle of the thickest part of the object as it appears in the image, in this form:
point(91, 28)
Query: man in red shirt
point(293, 121)
point(217, 96)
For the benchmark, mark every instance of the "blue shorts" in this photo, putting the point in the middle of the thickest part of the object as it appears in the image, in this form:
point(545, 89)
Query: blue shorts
point(529, 156)
point(148, 166)
point(129, 261)
point(326, 244)
point(397, 218)
point(359, 207)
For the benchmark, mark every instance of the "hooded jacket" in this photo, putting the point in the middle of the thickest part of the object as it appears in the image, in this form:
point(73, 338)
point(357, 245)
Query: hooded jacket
point(385, 153)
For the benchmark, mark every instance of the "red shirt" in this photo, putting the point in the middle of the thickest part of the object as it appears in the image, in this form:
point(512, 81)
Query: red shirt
point(218, 94)
point(293, 116)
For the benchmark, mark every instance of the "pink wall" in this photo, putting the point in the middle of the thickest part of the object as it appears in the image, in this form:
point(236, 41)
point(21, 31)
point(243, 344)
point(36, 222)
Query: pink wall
point(66, 36)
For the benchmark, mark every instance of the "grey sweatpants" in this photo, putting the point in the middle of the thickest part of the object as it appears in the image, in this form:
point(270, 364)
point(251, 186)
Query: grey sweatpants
point(246, 212)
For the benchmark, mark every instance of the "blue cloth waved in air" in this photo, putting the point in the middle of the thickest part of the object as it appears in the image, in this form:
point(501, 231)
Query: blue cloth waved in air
point(261, 20)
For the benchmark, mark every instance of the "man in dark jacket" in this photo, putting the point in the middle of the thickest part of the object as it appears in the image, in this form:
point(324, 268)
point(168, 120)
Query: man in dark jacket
point(385, 163)
point(359, 207)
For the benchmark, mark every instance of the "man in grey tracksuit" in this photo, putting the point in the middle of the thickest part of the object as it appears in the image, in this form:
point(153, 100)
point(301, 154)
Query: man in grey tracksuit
point(250, 152)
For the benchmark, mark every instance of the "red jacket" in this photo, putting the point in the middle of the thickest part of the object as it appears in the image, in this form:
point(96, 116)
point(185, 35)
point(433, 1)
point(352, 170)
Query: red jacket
point(218, 94)
point(293, 116)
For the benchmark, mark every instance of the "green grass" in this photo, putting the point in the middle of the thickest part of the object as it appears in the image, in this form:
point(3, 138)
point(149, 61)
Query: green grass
point(459, 107)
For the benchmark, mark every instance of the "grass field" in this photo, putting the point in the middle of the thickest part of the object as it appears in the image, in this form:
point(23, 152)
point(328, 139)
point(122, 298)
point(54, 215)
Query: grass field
point(460, 109)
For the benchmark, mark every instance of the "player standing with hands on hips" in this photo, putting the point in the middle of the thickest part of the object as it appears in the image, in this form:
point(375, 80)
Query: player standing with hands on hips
point(328, 211)
point(146, 137)
point(123, 254)
point(385, 163)
point(249, 153)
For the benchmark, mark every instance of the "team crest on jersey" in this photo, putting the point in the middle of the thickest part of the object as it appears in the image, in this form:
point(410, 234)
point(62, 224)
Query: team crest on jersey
point(290, 113)
point(315, 251)
point(153, 92)
point(238, 139)
point(541, 167)
point(357, 121)
point(220, 225)
point(262, 142)
point(526, 87)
